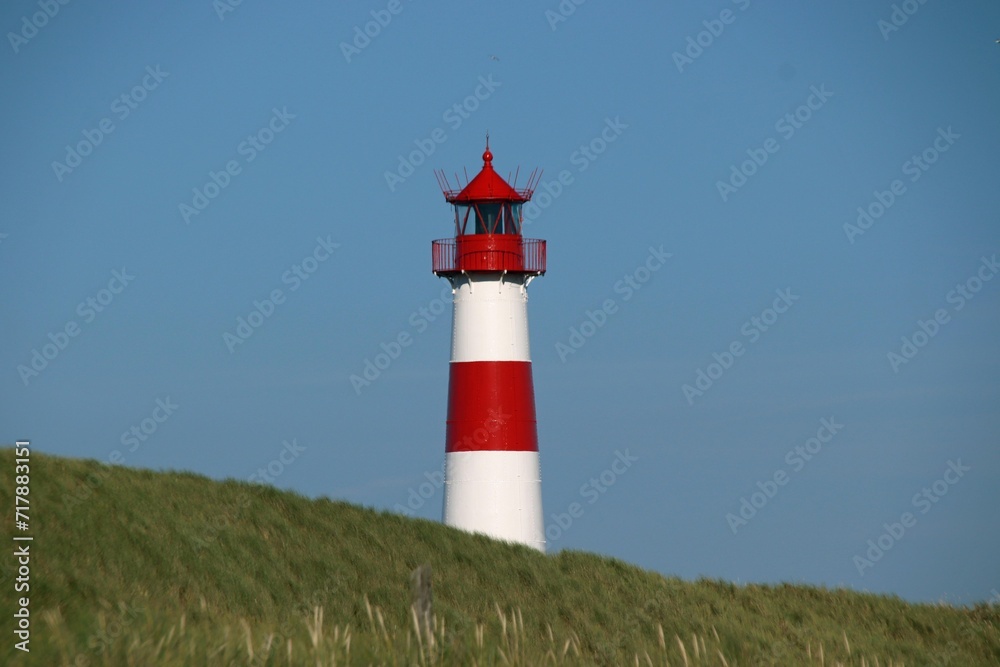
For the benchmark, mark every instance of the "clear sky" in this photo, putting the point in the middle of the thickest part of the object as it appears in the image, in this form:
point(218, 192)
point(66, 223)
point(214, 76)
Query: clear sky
point(801, 392)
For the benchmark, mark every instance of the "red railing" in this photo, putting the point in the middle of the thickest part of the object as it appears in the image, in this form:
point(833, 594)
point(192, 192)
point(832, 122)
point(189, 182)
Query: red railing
point(488, 252)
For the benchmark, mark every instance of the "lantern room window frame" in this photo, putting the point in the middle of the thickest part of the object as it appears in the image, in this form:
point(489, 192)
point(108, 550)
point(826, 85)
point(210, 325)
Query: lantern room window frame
point(508, 221)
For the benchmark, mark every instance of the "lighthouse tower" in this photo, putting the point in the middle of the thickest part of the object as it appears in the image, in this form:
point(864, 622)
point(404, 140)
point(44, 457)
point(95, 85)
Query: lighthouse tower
point(492, 477)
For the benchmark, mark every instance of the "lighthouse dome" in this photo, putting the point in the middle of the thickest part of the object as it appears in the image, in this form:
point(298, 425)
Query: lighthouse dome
point(488, 185)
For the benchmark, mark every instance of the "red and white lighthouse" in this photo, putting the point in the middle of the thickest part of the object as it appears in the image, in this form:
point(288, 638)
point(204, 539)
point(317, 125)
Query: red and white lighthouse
point(493, 481)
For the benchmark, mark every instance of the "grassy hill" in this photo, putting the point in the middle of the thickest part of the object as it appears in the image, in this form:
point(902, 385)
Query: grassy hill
point(132, 567)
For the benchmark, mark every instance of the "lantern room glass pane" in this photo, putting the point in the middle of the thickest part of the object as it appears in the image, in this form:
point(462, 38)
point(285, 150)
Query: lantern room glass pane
point(461, 217)
point(514, 224)
point(486, 221)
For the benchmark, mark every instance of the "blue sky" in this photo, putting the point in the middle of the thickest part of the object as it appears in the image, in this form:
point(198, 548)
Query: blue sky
point(182, 166)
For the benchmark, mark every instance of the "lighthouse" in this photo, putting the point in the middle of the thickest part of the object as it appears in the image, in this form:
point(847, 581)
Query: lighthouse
point(493, 482)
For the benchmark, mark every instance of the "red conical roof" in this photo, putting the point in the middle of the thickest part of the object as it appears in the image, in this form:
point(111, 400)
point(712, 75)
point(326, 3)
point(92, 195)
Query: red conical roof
point(488, 185)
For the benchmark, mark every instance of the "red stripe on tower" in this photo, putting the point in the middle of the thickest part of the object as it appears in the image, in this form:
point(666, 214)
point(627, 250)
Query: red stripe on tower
point(491, 406)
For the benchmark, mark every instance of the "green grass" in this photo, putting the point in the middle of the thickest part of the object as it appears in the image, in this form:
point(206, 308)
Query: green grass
point(132, 567)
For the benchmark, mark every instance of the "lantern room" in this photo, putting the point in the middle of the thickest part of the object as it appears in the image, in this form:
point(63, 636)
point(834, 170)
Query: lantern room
point(488, 220)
